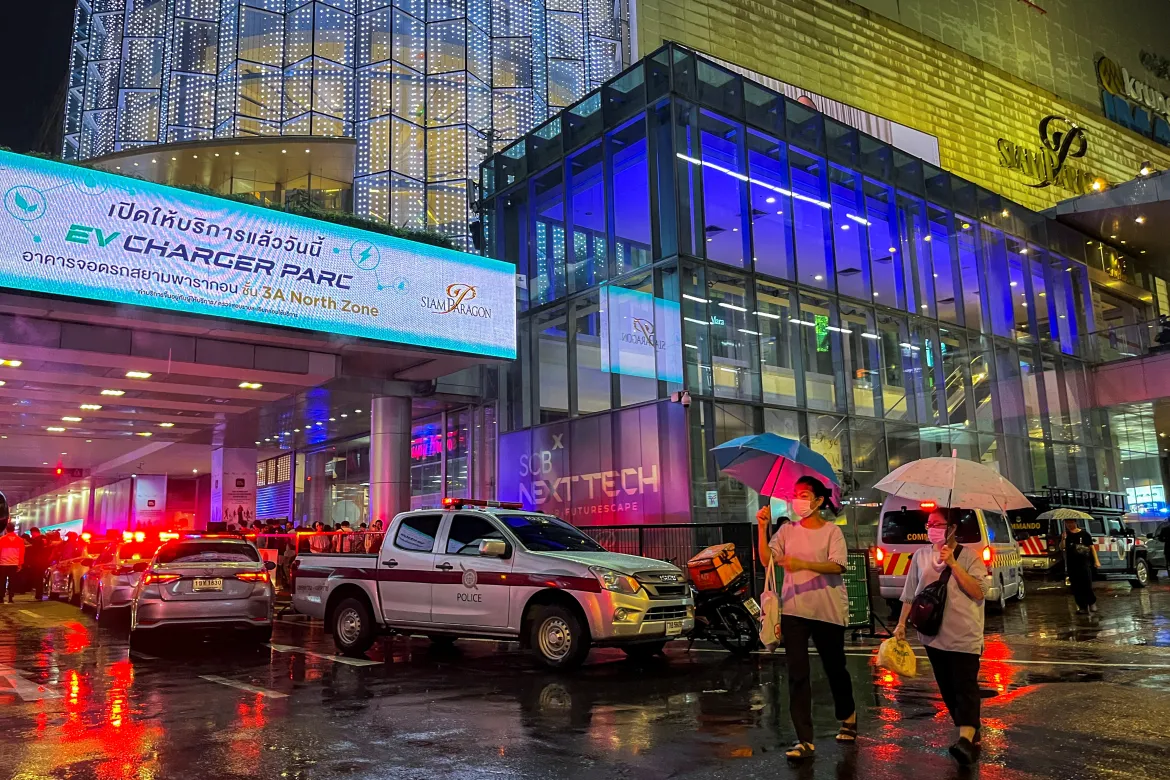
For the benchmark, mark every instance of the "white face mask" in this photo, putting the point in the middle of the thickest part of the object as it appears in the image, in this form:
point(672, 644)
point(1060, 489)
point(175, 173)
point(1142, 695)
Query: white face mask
point(802, 507)
point(937, 535)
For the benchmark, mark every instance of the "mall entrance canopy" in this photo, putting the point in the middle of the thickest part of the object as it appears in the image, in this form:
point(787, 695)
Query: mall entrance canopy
point(143, 326)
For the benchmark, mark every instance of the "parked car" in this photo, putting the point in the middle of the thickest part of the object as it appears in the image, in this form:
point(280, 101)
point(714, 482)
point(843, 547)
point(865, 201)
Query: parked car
point(108, 586)
point(65, 573)
point(902, 531)
point(205, 583)
point(474, 570)
point(1156, 543)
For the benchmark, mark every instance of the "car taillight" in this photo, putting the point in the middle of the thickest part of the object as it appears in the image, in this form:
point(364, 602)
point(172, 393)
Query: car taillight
point(154, 577)
point(253, 576)
point(987, 555)
point(879, 554)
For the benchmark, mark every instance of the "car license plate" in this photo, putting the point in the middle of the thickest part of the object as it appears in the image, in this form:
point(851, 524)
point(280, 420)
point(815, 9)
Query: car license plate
point(674, 627)
point(752, 607)
point(209, 584)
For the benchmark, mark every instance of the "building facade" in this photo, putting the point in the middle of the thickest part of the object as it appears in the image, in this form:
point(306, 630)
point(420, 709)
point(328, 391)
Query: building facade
point(687, 229)
point(426, 87)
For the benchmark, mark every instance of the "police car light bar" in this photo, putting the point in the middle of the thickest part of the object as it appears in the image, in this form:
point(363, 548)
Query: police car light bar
point(459, 503)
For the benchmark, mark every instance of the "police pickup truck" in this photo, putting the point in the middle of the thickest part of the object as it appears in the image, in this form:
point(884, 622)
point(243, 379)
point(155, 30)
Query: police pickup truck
point(484, 569)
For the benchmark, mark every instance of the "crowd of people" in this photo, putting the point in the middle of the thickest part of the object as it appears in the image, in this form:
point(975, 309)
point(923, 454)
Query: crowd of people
point(25, 557)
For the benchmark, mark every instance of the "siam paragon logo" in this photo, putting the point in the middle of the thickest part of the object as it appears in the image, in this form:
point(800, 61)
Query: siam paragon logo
point(643, 334)
point(457, 301)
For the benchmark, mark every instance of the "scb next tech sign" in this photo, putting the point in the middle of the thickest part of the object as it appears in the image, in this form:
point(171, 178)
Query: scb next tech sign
point(90, 234)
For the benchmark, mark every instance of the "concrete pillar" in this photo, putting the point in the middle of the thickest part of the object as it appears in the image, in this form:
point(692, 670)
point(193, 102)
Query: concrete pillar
point(233, 485)
point(390, 424)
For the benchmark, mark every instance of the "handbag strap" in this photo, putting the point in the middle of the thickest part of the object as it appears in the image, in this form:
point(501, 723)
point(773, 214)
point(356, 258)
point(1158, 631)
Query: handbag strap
point(945, 577)
point(770, 576)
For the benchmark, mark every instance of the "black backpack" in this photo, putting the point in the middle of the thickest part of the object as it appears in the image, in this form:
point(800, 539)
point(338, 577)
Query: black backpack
point(926, 611)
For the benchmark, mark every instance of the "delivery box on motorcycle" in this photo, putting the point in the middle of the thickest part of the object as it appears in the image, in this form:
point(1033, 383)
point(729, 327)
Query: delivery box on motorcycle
point(715, 567)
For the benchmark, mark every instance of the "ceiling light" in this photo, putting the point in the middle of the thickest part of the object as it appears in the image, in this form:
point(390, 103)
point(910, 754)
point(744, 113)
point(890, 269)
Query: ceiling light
point(1014, 284)
point(1024, 250)
point(818, 278)
point(875, 295)
point(345, 415)
point(166, 425)
point(2, 383)
point(844, 227)
point(357, 411)
point(769, 199)
point(966, 226)
point(133, 476)
point(296, 430)
point(893, 250)
point(1146, 169)
point(1140, 220)
point(1097, 185)
point(70, 419)
point(91, 407)
point(144, 433)
point(113, 392)
point(284, 151)
point(55, 428)
point(334, 419)
point(237, 154)
point(926, 238)
point(11, 363)
point(87, 441)
point(194, 471)
point(138, 375)
point(250, 385)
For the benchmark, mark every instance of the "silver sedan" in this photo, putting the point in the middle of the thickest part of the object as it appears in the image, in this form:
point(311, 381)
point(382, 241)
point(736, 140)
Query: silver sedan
point(204, 582)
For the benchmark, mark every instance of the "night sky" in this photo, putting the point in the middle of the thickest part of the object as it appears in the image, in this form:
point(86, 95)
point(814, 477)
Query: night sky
point(34, 58)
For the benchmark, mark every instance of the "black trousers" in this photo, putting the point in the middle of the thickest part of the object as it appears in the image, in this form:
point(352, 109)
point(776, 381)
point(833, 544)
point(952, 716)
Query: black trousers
point(829, 639)
point(957, 675)
point(8, 576)
point(1080, 579)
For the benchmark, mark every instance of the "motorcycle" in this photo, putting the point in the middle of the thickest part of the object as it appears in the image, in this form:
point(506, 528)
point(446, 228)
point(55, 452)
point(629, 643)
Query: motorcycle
point(729, 615)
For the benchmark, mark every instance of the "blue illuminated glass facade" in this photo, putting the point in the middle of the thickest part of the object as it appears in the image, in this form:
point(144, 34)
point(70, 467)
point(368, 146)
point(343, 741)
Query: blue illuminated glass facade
point(428, 88)
point(801, 276)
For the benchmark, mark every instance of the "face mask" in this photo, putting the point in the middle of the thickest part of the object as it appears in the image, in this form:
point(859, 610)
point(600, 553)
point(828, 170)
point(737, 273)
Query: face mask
point(802, 507)
point(936, 535)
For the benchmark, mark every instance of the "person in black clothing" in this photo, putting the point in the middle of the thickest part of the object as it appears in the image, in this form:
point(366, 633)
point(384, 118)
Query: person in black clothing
point(1080, 558)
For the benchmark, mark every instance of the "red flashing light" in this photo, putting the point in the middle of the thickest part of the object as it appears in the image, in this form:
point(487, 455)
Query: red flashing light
point(59, 471)
point(987, 554)
point(127, 536)
point(879, 554)
point(167, 536)
point(929, 506)
point(456, 503)
point(86, 536)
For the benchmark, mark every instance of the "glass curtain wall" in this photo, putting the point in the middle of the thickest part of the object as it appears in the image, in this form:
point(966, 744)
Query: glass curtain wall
point(819, 284)
point(429, 88)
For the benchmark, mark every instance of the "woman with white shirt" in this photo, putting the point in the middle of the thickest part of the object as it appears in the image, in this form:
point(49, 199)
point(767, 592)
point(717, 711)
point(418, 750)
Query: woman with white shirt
point(813, 605)
point(955, 650)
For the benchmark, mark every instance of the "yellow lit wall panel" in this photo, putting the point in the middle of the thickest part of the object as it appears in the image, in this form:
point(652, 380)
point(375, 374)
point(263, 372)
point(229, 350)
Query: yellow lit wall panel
point(859, 57)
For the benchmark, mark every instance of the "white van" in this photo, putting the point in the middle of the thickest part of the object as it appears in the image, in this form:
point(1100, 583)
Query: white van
point(902, 530)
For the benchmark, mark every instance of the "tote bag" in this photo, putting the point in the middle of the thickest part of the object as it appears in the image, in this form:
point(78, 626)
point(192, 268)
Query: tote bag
point(770, 611)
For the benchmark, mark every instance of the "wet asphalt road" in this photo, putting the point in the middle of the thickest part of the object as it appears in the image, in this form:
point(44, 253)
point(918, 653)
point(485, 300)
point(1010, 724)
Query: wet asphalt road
point(1064, 697)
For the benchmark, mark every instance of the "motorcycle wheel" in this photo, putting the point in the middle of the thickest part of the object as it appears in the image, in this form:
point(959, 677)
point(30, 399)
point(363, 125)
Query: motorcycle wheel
point(739, 633)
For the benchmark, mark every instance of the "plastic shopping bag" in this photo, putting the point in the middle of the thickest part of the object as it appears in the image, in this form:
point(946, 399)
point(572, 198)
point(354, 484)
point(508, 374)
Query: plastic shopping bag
point(897, 656)
point(770, 611)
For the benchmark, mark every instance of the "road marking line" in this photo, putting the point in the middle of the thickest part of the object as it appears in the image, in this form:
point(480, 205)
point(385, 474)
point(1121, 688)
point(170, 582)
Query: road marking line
point(215, 678)
point(1021, 661)
point(31, 614)
point(337, 658)
point(26, 689)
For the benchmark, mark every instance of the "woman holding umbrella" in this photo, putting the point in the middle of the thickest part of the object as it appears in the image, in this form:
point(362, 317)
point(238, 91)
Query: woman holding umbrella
point(813, 605)
point(1080, 558)
point(813, 601)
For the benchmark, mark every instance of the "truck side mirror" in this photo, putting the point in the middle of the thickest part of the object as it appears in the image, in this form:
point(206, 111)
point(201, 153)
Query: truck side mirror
point(493, 548)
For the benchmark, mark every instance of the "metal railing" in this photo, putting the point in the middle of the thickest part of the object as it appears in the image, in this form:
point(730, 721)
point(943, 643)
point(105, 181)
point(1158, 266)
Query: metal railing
point(1122, 342)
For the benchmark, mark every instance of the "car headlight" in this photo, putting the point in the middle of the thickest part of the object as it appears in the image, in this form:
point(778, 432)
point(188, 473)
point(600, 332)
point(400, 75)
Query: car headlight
point(615, 581)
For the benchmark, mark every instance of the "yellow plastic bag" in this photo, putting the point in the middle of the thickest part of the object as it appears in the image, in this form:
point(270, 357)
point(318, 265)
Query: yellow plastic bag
point(897, 656)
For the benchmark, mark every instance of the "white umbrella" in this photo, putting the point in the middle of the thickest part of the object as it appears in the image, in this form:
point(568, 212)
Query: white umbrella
point(954, 482)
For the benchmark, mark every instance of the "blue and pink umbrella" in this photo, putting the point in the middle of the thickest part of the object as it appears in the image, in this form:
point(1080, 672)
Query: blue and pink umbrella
point(771, 464)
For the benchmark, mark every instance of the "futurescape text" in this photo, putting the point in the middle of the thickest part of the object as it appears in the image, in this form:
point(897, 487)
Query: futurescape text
point(89, 234)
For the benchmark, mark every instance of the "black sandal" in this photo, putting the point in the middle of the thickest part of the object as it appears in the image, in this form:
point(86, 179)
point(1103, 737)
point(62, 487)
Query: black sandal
point(801, 751)
point(847, 732)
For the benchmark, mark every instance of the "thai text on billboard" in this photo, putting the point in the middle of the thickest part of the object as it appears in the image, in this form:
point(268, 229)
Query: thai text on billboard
point(89, 234)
